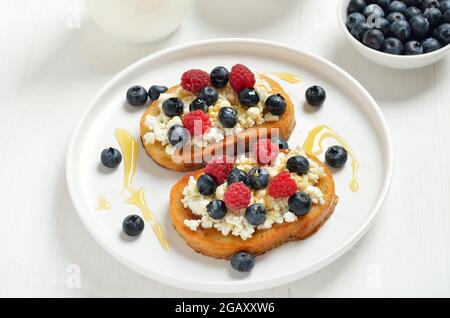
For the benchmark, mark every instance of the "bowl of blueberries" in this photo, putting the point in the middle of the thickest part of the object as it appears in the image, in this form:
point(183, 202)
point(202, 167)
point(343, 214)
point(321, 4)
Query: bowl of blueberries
point(401, 34)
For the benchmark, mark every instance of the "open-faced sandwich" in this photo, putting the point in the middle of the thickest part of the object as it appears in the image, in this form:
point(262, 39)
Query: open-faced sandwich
point(208, 113)
point(238, 209)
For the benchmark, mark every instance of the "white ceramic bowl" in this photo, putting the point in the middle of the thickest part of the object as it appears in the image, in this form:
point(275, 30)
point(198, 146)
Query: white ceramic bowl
point(138, 21)
point(390, 60)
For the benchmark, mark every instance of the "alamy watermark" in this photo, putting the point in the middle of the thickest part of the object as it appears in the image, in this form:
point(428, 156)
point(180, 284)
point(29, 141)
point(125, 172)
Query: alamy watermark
point(73, 278)
point(373, 278)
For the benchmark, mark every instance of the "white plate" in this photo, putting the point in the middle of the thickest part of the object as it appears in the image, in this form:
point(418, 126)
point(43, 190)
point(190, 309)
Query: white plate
point(349, 109)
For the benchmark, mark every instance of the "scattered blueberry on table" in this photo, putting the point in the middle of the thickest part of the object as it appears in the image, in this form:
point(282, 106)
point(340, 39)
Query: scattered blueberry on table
point(111, 157)
point(336, 156)
point(137, 96)
point(133, 225)
point(400, 27)
point(243, 262)
point(315, 96)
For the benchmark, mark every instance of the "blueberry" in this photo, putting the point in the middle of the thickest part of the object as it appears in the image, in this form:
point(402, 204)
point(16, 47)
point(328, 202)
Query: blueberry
point(446, 16)
point(243, 262)
point(374, 39)
point(445, 5)
point(219, 77)
point(401, 30)
point(315, 96)
point(412, 48)
point(411, 11)
point(300, 204)
point(356, 6)
point(282, 144)
point(258, 178)
point(137, 96)
point(228, 117)
point(395, 16)
point(173, 107)
point(206, 185)
point(216, 209)
point(353, 19)
point(155, 91)
point(237, 175)
point(248, 97)
point(374, 10)
point(209, 95)
point(434, 16)
point(133, 225)
point(111, 157)
point(298, 164)
point(426, 4)
point(443, 33)
point(276, 104)
point(178, 135)
point(430, 45)
point(383, 25)
point(420, 26)
point(393, 46)
point(397, 6)
point(359, 29)
point(255, 214)
point(336, 156)
point(197, 104)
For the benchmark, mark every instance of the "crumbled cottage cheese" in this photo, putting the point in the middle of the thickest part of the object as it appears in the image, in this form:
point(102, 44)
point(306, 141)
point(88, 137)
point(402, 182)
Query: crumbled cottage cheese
point(160, 124)
point(277, 209)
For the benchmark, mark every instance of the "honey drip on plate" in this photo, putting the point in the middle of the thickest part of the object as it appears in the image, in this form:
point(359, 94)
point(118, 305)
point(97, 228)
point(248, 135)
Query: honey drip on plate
point(129, 147)
point(103, 204)
point(288, 77)
point(318, 135)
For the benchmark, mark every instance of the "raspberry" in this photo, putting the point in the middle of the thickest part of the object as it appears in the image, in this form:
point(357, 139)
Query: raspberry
point(237, 196)
point(219, 168)
point(282, 186)
point(241, 77)
point(265, 152)
point(194, 80)
point(197, 122)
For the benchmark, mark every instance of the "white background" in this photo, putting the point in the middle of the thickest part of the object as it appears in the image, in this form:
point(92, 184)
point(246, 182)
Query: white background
point(49, 72)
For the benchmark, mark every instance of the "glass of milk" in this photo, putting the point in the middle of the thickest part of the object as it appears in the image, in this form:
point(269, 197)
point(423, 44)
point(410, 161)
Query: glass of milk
point(138, 21)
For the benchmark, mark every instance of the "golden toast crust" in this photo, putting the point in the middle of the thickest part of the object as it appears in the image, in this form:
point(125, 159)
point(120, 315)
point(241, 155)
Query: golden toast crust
point(212, 243)
point(157, 152)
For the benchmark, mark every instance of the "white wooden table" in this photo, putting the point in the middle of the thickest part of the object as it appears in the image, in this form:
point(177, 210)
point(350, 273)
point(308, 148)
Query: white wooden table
point(53, 61)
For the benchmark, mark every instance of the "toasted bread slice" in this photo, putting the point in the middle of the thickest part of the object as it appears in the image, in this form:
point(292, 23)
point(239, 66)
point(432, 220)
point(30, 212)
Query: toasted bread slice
point(157, 152)
point(211, 242)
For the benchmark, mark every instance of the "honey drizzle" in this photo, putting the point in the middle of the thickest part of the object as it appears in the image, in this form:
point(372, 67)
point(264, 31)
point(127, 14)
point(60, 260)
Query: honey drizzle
point(288, 77)
point(129, 147)
point(319, 134)
point(103, 204)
